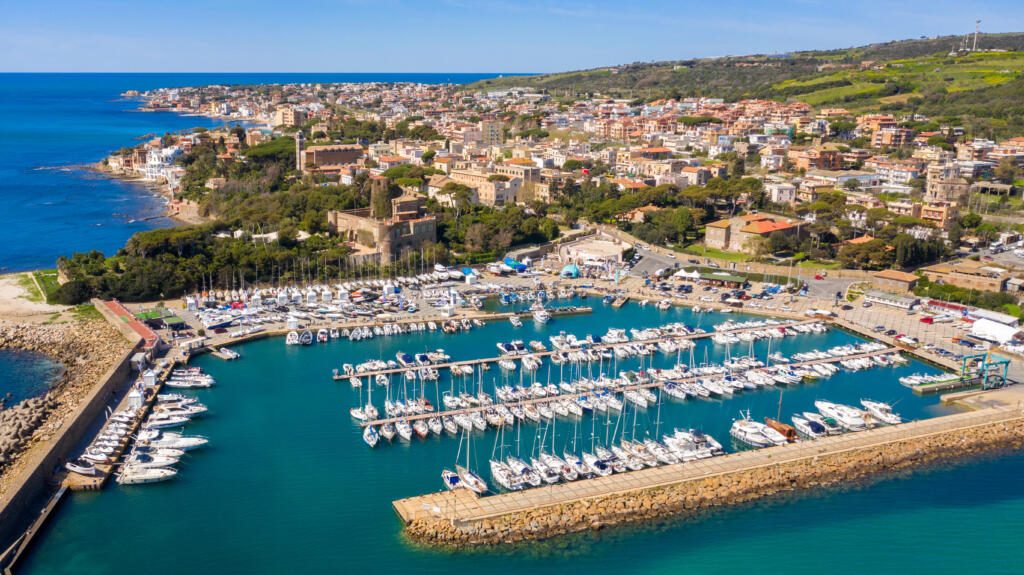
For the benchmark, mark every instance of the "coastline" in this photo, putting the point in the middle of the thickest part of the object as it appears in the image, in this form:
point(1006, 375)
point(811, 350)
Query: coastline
point(180, 212)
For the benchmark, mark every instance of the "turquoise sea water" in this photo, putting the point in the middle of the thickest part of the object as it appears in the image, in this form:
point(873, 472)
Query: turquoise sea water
point(25, 374)
point(51, 125)
point(287, 484)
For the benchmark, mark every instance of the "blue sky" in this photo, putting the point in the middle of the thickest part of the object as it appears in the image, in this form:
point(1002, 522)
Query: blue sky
point(452, 35)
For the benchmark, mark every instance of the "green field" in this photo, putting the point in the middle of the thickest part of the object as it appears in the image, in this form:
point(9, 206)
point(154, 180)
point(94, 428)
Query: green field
point(896, 80)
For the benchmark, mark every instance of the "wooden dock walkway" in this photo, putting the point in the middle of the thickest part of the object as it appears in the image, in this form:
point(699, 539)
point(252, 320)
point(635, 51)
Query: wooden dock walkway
point(618, 390)
point(462, 506)
point(547, 353)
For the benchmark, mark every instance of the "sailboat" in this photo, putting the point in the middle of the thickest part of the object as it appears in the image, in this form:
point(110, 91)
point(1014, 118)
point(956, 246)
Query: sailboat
point(463, 477)
point(370, 436)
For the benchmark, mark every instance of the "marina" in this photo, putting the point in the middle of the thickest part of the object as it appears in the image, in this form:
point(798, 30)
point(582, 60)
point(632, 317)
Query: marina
point(274, 382)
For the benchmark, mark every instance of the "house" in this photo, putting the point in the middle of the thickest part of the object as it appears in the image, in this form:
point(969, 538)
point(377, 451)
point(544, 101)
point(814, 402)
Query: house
point(891, 137)
point(780, 192)
point(637, 215)
point(819, 158)
point(968, 274)
point(894, 280)
point(739, 234)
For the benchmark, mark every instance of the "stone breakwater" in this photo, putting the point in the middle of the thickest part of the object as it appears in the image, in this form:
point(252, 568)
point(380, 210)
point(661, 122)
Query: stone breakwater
point(694, 497)
point(86, 349)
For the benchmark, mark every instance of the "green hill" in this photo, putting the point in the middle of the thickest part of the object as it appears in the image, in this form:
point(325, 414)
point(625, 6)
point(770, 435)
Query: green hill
point(984, 89)
point(758, 75)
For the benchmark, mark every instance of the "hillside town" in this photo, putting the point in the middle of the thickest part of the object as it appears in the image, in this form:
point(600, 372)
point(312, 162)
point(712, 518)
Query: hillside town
point(779, 182)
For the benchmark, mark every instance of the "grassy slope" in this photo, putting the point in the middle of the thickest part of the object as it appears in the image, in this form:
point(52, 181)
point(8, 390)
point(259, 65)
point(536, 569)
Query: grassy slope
point(927, 74)
point(920, 66)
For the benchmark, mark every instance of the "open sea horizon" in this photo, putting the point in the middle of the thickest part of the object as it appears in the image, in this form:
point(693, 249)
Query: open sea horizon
point(53, 126)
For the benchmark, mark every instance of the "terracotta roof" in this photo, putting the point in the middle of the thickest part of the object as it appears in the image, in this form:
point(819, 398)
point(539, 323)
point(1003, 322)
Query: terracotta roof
point(766, 227)
point(860, 240)
point(755, 217)
point(896, 275)
point(718, 224)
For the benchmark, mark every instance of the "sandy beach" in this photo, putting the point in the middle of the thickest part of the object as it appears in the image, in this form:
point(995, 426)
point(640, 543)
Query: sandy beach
point(19, 304)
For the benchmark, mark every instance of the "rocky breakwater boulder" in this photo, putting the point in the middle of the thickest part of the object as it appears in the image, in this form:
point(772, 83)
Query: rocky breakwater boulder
point(689, 498)
point(86, 349)
point(19, 423)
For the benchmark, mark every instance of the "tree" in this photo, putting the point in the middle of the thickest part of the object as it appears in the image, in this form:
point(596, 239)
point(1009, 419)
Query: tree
point(476, 238)
point(428, 156)
point(970, 220)
point(779, 241)
point(1006, 171)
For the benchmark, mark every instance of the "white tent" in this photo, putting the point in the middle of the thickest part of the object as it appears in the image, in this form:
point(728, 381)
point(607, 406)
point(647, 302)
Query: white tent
point(994, 331)
point(683, 274)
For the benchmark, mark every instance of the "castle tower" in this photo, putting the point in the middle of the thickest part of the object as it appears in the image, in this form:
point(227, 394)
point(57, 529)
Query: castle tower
point(300, 140)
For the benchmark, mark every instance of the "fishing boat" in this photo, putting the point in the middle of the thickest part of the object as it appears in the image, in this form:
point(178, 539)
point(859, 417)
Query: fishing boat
point(322, 335)
point(306, 338)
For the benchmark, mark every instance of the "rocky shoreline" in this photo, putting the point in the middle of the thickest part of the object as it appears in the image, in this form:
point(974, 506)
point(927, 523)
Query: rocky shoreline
point(693, 498)
point(178, 211)
point(86, 349)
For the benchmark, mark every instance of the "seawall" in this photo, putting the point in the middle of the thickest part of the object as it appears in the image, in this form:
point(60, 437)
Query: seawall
point(460, 520)
point(30, 482)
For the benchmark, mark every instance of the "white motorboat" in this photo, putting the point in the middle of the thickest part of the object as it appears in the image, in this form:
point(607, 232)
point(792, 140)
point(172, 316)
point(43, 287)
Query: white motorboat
point(81, 466)
point(755, 434)
point(848, 418)
point(137, 459)
point(830, 425)
point(515, 321)
point(134, 475)
point(882, 412)
point(164, 422)
point(807, 428)
point(173, 440)
point(541, 316)
point(292, 338)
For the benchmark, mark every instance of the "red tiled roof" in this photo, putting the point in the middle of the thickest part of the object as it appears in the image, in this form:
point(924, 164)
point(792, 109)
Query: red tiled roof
point(766, 227)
